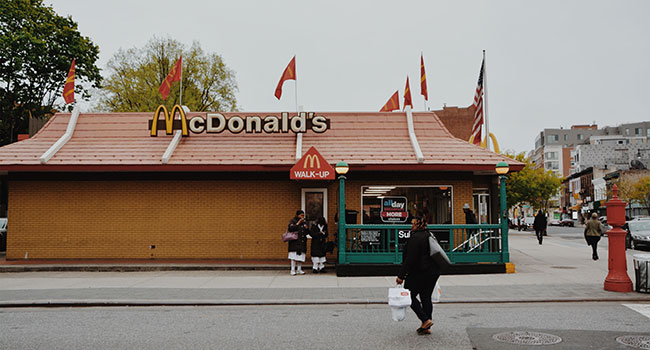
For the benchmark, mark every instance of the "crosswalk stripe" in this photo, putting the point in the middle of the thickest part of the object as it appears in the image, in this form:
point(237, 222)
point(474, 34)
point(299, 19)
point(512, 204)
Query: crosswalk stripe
point(643, 309)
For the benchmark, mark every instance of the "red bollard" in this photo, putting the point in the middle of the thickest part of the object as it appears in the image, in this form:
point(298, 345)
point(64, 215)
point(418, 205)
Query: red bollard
point(617, 280)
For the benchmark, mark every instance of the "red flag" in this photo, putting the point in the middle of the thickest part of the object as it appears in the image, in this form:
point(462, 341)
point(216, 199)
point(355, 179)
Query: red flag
point(478, 105)
point(407, 94)
point(423, 79)
point(289, 74)
point(174, 75)
point(392, 104)
point(68, 88)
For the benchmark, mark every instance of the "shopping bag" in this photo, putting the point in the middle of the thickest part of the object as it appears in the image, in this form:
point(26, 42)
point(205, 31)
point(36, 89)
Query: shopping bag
point(437, 253)
point(435, 296)
point(289, 236)
point(399, 299)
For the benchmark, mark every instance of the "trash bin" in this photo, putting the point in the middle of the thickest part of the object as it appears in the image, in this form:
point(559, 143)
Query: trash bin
point(641, 270)
point(351, 216)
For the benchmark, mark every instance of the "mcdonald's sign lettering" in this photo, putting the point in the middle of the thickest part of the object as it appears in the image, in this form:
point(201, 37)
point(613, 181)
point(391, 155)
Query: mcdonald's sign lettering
point(312, 166)
point(217, 123)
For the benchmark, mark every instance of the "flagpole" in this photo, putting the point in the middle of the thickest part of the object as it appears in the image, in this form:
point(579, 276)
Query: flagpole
point(180, 98)
point(485, 106)
point(296, 80)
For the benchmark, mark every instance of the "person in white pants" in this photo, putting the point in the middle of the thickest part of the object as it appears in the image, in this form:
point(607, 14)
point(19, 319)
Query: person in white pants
point(298, 247)
point(318, 235)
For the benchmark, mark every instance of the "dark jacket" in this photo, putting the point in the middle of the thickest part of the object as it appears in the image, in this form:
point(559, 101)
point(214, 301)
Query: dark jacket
point(470, 218)
point(417, 261)
point(299, 245)
point(540, 222)
point(318, 240)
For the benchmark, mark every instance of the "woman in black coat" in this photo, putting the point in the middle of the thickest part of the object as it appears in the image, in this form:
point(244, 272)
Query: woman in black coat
point(298, 247)
point(318, 235)
point(539, 225)
point(420, 272)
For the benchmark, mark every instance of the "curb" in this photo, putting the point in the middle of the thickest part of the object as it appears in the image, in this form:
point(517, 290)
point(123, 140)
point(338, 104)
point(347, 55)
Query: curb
point(136, 268)
point(180, 303)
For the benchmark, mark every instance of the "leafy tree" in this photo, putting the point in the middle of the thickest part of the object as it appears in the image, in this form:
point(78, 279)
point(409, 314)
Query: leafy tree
point(136, 74)
point(531, 185)
point(642, 192)
point(36, 49)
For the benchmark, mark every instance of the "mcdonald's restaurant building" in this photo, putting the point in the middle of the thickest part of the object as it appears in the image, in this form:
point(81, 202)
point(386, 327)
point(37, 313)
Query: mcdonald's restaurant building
point(190, 185)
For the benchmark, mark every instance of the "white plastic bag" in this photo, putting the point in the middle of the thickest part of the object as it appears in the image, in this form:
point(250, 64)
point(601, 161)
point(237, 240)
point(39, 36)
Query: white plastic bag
point(399, 299)
point(435, 296)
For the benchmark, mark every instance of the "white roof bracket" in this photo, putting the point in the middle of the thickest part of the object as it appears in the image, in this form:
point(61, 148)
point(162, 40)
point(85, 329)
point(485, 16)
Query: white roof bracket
point(172, 146)
point(414, 140)
point(72, 124)
point(299, 136)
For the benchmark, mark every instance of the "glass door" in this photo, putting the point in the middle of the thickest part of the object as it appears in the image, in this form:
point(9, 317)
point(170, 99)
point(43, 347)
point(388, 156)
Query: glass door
point(314, 204)
point(481, 205)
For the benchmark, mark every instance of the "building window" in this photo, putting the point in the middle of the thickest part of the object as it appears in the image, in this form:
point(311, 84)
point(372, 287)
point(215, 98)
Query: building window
point(627, 132)
point(637, 131)
point(581, 136)
point(550, 155)
point(553, 138)
point(551, 165)
point(566, 137)
point(397, 204)
point(647, 132)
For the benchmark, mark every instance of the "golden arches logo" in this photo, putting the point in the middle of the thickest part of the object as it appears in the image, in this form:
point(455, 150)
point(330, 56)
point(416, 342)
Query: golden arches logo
point(311, 158)
point(169, 120)
point(483, 142)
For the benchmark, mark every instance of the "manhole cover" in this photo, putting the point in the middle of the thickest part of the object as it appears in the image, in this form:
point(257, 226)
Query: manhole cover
point(635, 341)
point(527, 338)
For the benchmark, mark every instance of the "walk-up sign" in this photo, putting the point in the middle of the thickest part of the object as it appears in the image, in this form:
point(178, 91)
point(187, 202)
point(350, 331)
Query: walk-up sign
point(312, 166)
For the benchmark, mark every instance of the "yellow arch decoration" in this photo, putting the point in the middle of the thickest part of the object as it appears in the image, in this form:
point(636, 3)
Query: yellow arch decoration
point(169, 120)
point(483, 143)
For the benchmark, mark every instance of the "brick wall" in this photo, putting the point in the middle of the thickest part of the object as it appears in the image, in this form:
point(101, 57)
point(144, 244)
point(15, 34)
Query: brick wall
point(182, 219)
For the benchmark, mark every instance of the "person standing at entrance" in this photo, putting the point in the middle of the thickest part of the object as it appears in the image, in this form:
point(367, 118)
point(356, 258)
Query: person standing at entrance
point(593, 231)
point(540, 225)
point(298, 247)
point(470, 218)
point(420, 272)
point(318, 235)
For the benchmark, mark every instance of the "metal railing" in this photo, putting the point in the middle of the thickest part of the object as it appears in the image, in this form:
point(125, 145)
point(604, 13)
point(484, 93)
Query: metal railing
point(383, 244)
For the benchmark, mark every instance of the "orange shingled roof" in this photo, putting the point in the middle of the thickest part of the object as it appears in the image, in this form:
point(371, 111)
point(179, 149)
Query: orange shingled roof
point(366, 141)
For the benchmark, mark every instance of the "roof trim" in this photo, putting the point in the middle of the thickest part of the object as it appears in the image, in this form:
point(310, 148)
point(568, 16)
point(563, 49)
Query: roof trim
point(245, 168)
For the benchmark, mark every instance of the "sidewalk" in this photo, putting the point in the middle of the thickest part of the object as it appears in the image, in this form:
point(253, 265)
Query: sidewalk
point(559, 270)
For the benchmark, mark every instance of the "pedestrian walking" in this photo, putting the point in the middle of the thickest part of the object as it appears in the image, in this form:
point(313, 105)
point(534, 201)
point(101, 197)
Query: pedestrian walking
point(298, 247)
point(419, 272)
point(593, 231)
point(318, 233)
point(540, 225)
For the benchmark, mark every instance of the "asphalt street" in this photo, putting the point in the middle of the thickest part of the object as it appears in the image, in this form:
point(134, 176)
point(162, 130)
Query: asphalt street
point(457, 326)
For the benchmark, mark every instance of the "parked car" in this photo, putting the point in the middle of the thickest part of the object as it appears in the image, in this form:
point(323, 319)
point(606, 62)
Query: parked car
point(638, 233)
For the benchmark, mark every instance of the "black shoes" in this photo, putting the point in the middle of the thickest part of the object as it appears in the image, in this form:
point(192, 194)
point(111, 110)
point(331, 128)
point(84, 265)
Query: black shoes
point(314, 271)
point(595, 257)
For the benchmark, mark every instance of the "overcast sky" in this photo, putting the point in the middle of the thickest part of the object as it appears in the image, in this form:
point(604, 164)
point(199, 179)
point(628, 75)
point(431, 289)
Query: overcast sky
point(550, 64)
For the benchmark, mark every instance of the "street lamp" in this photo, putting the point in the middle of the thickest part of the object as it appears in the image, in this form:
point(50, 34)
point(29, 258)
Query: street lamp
point(502, 169)
point(342, 168)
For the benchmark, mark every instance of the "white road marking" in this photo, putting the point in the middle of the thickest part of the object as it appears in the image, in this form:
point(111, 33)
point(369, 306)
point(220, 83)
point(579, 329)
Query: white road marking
point(643, 309)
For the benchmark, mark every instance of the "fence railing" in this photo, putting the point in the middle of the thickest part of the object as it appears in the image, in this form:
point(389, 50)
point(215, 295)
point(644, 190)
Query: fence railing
point(374, 244)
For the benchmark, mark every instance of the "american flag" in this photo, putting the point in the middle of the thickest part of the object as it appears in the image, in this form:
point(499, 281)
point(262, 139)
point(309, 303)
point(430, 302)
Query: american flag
point(478, 105)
